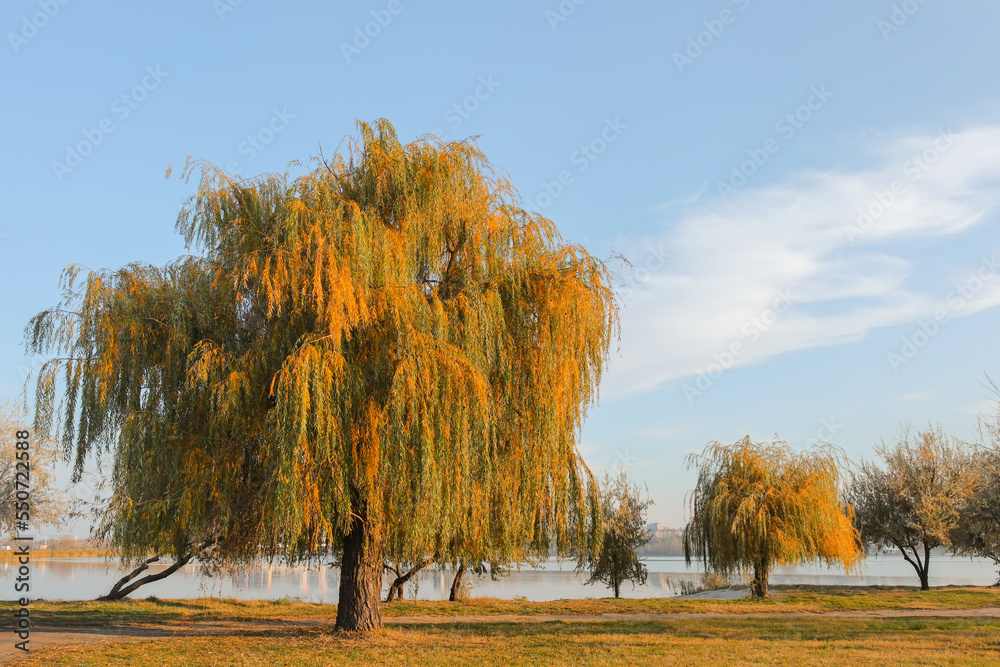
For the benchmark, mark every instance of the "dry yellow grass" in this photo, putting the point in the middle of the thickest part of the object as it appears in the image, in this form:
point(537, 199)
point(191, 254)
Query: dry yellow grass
point(813, 641)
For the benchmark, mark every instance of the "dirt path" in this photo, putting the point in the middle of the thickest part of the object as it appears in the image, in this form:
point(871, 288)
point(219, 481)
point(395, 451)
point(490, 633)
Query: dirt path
point(985, 612)
point(45, 638)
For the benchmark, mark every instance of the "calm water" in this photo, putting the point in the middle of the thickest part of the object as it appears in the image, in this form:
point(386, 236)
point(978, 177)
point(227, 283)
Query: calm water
point(78, 579)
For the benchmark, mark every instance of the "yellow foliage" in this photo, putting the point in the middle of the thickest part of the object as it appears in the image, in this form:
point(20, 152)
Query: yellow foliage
point(758, 505)
point(389, 330)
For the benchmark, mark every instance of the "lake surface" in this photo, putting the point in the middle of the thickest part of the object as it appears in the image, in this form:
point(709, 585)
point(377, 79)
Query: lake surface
point(81, 579)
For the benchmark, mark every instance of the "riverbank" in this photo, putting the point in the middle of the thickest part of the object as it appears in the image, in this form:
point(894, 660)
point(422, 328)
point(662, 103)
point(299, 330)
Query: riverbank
point(818, 625)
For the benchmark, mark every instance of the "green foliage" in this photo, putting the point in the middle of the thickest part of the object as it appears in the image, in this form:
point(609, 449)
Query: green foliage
point(624, 513)
point(389, 335)
point(758, 505)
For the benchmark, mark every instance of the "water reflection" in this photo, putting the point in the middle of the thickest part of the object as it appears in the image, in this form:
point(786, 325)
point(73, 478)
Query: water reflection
point(80, 579)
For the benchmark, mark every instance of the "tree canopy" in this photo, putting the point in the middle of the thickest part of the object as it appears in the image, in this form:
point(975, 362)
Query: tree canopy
point(47, 505)
point(758, 505)
point(616, 560)
point(384, 348)
point(915, 502)
point(977, 532)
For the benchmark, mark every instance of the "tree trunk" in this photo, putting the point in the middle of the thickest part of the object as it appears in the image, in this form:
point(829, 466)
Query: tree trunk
point(922, 567)
point(617, 585)
point(925, 584)
point(359, 604)
point(456, 585)
point(396, 589)
point(120, 589)
point(758, 585)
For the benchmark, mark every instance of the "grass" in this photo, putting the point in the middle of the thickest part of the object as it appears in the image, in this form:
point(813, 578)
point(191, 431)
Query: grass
point(801, 599)
point(684, 642)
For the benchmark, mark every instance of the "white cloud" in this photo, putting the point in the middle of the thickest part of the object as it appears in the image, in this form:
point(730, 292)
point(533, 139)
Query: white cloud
point(824, 239)
point(983, 409)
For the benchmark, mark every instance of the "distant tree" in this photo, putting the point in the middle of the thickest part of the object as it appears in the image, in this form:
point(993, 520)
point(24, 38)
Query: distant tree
point(665, 543)
point(494, 569)
point(386, 343)
point(758, 505)
point(47, 504)
point(456, 583)
point(917, 500)
point(624, 522)
point(403, 573)
point(978, 531)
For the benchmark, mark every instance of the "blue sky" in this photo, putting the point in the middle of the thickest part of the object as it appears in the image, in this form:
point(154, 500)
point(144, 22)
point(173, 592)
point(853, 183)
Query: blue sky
point(807, 192)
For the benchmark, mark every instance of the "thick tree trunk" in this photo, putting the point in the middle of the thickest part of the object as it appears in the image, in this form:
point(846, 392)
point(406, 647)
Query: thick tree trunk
point(456, 585)
point(359, 605)
point(617, 585)
point(759, 584)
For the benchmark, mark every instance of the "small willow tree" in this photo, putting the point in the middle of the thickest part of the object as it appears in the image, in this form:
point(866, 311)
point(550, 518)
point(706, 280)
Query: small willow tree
point(385, 348)
point(758, 505)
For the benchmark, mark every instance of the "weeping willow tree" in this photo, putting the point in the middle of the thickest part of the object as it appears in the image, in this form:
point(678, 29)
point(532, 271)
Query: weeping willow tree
point(385, 350)
point(758, 505)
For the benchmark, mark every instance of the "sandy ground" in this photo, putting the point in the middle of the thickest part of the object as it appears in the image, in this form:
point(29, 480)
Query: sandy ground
point(45, 638)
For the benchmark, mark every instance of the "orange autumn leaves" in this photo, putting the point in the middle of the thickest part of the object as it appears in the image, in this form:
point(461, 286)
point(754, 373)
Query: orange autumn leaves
point(389, 327)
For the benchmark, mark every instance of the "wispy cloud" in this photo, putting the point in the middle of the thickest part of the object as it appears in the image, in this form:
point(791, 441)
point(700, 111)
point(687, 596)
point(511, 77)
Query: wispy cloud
point(730, 261)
